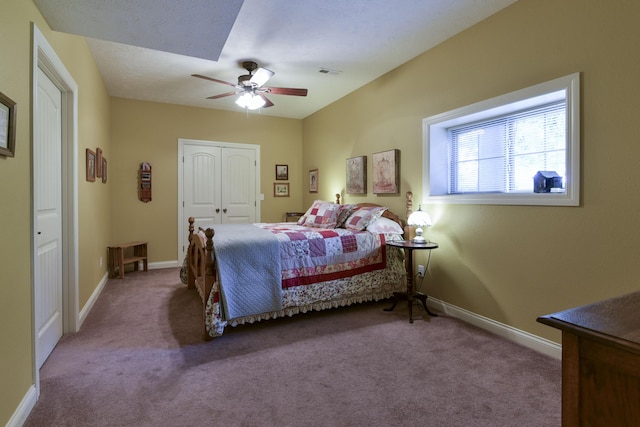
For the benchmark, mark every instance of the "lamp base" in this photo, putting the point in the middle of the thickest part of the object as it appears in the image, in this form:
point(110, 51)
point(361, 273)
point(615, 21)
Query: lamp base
point(419, 240)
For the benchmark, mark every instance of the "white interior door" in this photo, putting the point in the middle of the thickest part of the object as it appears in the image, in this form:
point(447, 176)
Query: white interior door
point(201, 184)
point(48, 204)
point(238, 185)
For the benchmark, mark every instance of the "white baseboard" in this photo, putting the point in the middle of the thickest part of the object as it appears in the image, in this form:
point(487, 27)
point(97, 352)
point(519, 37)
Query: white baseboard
point(526, 339)
point(92, 300)
point(163, 264)
point(23, 410)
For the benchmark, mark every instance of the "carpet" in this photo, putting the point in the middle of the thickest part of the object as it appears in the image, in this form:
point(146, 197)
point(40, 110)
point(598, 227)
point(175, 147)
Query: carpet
point(139, 360)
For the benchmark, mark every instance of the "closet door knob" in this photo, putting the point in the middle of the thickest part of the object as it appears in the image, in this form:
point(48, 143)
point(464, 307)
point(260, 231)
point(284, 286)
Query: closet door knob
point(224, 210)
point(218, 210)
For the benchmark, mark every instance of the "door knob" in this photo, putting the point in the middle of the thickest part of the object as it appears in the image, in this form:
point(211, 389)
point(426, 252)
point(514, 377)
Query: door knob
point(218, 210)
point(224, 210)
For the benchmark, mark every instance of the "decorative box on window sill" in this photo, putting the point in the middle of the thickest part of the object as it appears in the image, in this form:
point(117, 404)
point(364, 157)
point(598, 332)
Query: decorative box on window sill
point(547, 182)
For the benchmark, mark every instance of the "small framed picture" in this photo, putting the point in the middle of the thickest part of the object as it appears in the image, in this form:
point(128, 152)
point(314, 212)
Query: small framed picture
point(282, 172)
point(313, 181)
point(280, 189)
point(98, 162)
point(91, 165)
point(357, 175)
point(104, 170)
point(8, 110)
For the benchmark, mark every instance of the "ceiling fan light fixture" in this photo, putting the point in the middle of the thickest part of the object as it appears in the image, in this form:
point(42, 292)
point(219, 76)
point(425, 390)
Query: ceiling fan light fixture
point(250, 101)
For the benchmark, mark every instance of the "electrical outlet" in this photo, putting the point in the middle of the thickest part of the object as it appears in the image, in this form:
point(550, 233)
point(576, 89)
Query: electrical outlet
point(421, 270)
point(100, 261)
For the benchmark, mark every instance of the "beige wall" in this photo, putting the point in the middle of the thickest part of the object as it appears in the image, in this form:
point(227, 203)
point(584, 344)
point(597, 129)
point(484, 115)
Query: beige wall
point(513, 263)
point(509, 263)
point(16, 330)
point(149, 132)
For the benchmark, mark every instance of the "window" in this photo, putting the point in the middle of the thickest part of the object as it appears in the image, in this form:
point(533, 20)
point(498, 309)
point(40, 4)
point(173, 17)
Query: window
point(489, 152)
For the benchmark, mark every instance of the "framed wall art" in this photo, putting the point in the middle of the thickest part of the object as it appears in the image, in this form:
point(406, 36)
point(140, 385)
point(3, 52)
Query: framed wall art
point(91, 165)
point(280, 189)
point(357, 175)
point(8, 110)
point(313, 181)
point(104, 170)
point(98, 162)
point(386, 172)
point(282, 172)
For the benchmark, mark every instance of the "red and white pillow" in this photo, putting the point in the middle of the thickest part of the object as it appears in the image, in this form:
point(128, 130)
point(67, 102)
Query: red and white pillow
point(321, 215)
point(385, 226)
point(363, 216)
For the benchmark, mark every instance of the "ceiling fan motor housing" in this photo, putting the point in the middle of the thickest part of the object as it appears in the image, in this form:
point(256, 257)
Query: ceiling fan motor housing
point(250, 66)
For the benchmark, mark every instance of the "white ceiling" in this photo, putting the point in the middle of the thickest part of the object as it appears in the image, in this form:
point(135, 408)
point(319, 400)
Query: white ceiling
point(148, 49)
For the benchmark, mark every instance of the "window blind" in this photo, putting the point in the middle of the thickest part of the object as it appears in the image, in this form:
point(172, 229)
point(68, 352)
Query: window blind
point(504, 153)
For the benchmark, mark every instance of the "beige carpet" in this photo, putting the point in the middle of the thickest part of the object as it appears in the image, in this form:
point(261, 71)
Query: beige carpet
point(139, 361)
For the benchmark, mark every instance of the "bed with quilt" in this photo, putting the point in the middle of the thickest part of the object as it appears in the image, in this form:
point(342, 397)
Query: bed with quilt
point(335, 255)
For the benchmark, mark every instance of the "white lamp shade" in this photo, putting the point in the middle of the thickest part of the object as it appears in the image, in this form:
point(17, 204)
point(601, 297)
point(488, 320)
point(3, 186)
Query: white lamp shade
point(419, 218)
point(250, 101)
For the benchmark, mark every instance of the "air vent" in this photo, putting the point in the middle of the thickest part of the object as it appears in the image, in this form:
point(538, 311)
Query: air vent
point(329, 71)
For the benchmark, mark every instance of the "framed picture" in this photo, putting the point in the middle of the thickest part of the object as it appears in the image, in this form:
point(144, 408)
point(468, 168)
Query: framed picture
point(280, 189)
point(104, 170)
point(313, 181)
point(282, 172)
point(91, 165)
point(8, 110)
point(386, 172)
point(98, 162)
point(357, 175)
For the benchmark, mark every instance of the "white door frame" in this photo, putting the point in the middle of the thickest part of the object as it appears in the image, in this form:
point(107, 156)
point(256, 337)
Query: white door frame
point(45, 58)
point(182, 221)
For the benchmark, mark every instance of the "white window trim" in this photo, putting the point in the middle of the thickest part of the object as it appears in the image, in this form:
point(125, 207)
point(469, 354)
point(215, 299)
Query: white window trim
point(435, 133)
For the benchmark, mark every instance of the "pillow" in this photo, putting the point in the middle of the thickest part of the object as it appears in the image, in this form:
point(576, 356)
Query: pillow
point(322, 215)
point(303, 218)
point(363, 216)
point(385, 226)
point(345, 213)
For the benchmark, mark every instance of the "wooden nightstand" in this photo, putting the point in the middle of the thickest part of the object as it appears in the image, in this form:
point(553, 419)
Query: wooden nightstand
point(288, 215)
point(411, 295)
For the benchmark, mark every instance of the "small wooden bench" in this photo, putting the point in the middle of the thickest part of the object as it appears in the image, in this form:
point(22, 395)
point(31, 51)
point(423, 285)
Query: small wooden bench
point(118, 257)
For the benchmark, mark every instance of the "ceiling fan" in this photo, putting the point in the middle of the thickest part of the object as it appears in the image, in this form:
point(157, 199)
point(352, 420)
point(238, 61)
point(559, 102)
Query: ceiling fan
point(252, 89)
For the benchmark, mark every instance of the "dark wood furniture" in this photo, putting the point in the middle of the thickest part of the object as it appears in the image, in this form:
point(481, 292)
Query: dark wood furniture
point(411, 295)
point(127, 253)
point(600, 362)
point(295, 215)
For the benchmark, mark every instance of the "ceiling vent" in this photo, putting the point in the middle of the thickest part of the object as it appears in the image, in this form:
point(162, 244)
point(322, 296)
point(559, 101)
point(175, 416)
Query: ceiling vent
point(329, 71)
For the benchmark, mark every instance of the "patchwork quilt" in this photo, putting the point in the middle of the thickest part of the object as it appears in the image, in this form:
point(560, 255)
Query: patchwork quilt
point(312, 255)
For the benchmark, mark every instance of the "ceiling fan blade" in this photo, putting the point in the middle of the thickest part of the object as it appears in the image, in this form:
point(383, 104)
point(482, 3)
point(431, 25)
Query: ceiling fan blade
point(287, 91)
point(268, 103)
point(261, 76)
point(222, 95)
point(200, 76)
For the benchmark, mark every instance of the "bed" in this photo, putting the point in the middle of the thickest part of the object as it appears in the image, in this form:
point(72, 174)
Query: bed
point(335, 255)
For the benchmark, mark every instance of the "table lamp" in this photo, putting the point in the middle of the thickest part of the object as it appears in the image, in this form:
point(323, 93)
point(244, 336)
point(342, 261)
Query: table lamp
point(420, 219)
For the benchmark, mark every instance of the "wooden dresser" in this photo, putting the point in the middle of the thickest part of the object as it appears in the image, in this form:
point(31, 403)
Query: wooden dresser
point(600, 362)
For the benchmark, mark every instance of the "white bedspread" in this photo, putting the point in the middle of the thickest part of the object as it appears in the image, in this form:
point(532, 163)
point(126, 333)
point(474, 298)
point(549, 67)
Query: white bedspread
point(248, 260)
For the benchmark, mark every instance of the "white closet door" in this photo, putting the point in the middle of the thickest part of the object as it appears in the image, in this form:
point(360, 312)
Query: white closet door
point(201, 184)
point(238, 185)
point(47, 152)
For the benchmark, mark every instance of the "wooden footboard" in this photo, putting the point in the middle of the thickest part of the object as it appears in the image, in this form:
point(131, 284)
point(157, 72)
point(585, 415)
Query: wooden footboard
point(201, 268)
